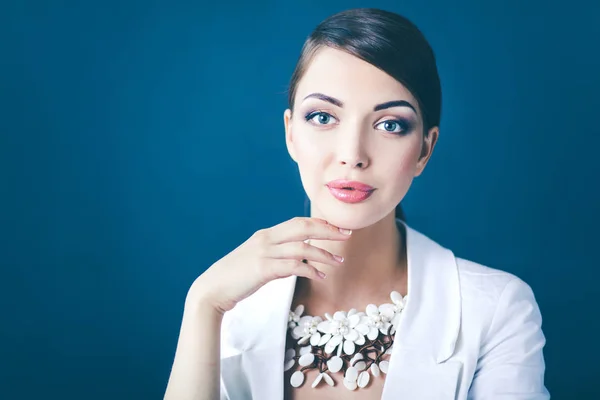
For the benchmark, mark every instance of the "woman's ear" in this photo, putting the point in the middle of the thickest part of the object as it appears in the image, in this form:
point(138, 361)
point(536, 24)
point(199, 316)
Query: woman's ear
point(289, 141)
point(429, 142)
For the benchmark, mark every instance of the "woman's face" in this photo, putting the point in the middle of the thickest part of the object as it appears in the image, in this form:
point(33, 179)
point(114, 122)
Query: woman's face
point(352, 121)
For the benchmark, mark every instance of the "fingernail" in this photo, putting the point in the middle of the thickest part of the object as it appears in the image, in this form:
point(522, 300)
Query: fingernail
point(338, 258)
point(345, 231)
point(321, 275)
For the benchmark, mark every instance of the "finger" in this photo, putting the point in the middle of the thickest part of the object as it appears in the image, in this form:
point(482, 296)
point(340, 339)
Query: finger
point(304, 251)
point(302, 228)
point(285, 268)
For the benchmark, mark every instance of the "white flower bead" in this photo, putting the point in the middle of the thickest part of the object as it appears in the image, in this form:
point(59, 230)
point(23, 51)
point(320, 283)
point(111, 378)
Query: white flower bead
point(351, 335)
point(304, 340)
point(398, 300)
point(360, 341)
point(315, 339)
point(351, 374)
point(317, 380)
point(306, 359)
point(373, 333)
point(325, 327)
point(297, 379)
point(349, 347)
point(357, 357)
point(296, 333)
point(324, 339)
point(328, 379)
point(360, 365)
point(295, 315)
point(350, 385)
point(363, 328)
point(354, 320)
point(383, 366)
point(329, 347)
point(337, 339)
point(289, 364)
point(384, 328)
point(289, 354)
point(335, 364)
point(339, 316)
point(304, 350)
point(363, 379)
point(375, 369)
point(387, 311)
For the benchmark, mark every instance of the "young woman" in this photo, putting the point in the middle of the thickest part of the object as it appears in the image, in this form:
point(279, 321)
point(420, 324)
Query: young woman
point(351, 302)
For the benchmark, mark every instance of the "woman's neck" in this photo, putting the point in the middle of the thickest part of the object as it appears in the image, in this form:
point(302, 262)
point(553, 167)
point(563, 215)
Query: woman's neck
point(374, 265)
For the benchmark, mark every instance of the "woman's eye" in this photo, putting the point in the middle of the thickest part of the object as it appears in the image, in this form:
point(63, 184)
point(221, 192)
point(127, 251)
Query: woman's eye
point(394, 126)
point(320, 118)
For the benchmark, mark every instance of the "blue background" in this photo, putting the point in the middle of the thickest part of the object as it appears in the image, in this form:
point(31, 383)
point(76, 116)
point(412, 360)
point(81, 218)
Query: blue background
point(141, 141)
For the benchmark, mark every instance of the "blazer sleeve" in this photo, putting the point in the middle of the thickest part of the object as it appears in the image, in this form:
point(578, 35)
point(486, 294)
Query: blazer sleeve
point(511, 362)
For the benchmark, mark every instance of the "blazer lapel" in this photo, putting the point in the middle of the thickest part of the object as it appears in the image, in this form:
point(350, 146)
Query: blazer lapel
point(256, 332)
point(430, 324)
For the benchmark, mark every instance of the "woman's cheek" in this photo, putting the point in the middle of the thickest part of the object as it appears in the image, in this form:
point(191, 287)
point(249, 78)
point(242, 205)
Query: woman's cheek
point(404, 170)
point(309, 160)
point(310, 151)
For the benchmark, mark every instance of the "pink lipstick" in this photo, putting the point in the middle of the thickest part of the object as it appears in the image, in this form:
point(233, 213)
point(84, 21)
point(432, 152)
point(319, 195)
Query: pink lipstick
point(350, 191)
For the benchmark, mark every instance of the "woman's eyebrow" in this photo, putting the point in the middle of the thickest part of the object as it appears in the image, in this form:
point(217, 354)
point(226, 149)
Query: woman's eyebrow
point(378, 107)
point(326, 98)
point(394, 103)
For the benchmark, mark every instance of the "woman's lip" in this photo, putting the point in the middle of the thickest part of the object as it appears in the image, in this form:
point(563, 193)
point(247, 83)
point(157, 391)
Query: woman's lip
point(350, 196)
point(345, 184)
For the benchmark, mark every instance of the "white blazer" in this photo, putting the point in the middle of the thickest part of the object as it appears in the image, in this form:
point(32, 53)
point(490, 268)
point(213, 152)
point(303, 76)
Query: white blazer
point(467, 332)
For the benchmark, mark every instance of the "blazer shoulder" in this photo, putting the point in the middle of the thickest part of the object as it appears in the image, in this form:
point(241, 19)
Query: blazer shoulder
point(478, 278)
point(487, 293)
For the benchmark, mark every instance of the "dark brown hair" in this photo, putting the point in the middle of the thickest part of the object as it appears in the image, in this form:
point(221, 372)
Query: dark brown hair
point(389, 42)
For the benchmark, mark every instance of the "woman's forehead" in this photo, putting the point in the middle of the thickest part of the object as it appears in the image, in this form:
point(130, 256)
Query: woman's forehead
point(346, 77)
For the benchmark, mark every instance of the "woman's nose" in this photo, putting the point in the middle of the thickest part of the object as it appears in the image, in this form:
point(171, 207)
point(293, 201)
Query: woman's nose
point(353, 163)
point(351, 152)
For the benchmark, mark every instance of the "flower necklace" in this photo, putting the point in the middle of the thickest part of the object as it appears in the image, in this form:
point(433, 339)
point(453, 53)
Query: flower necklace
point(352, 342)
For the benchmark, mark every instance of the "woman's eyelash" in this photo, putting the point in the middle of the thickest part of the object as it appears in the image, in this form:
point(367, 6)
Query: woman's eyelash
point(404, 125)
point(310, 115)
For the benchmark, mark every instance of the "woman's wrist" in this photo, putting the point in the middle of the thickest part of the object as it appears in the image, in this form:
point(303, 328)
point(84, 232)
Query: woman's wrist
point(200, 301)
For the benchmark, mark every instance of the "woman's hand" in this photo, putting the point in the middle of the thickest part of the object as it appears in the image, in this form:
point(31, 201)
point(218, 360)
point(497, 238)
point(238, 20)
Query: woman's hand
point(269, 254)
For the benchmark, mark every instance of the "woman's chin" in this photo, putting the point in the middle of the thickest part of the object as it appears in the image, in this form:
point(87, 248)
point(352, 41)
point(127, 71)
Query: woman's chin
point(349, 219)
